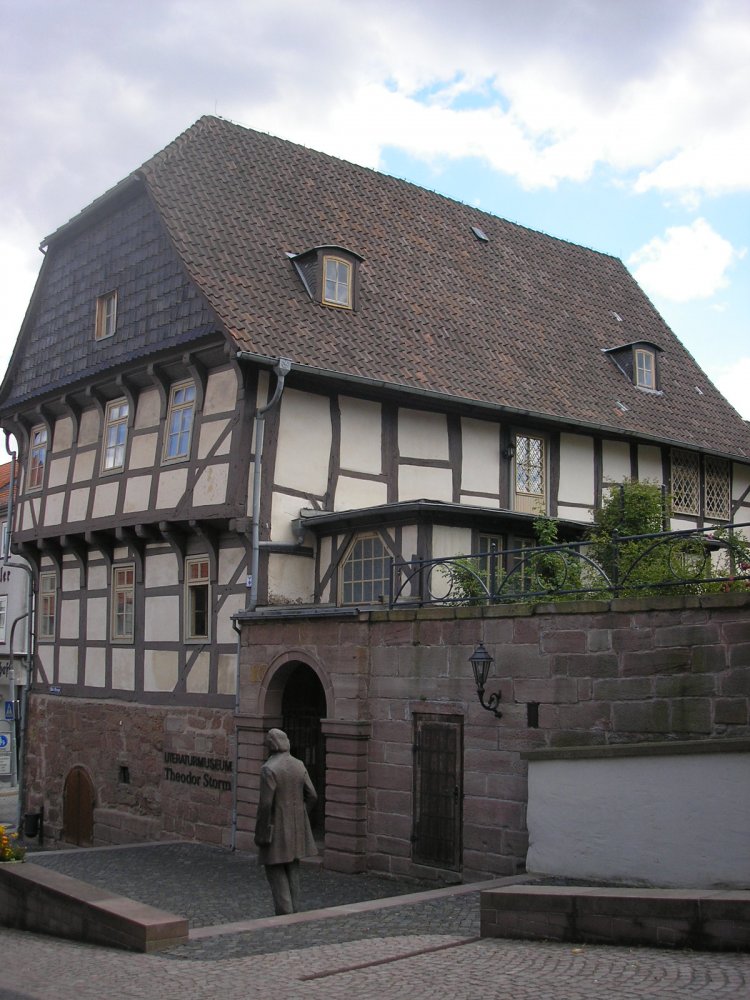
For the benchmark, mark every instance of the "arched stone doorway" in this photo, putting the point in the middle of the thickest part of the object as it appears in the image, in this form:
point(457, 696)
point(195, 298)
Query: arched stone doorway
point(78, 808)
point(303, 705)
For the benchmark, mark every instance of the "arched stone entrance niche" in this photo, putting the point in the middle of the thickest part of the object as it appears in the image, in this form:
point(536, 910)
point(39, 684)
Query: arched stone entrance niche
point(296, 696)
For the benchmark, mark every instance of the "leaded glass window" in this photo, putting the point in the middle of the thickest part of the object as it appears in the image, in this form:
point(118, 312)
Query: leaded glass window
point(686, 482)
point(365, 571)
point(716, 492)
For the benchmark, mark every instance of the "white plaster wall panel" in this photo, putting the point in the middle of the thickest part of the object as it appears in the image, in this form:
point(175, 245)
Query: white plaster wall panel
point(161, 569)
point(78, 505)
point(304, 444)
point(120, 552)
point(480, 456)
point(680, 523)
point(105, 499)
point(162, 622)
point(67, 665)
point(422, 434)
point(615, 461)
point(148, 408)
point(361, 435)
point(123, 668)
point(97, 577)
point(143, 451)
point(210, 434)
point(89, 428)
point(352, 494)
point(740, 482)
point(472, 501)
point(62, 436)
point(671, 821)
point(221, 392)
point(408, 540)
point(576, 469)
point(137, 492)
point(69, 619)
point(95, 669)
point(419, 482)
point(31, 513)
point(160, 670)
point(71, 575)
point(83, 469)
point(326, 548)
point(53, 508)
point(230, 560)
point(96, 618)
point(46, 657)
point(571, 513)
point(649, 463)
point(196, 681)
point(58, 472)
point(226, 679)
point(284, 509)
point(448, 541)
point(172, 485)
point(211, 487)
point(224, 631)
point(290, 579)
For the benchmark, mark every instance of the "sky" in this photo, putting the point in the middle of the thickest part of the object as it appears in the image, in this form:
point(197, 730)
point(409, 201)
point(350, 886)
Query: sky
point(621, 125)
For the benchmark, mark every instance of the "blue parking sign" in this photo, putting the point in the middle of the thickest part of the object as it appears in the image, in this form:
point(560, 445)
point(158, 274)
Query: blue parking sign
point(10, 715)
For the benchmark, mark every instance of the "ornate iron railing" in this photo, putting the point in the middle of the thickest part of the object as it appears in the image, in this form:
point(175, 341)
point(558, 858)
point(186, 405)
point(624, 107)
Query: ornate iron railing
point(691, 561)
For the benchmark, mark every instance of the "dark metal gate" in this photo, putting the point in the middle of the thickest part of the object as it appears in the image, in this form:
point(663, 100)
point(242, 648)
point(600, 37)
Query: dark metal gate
point(303, 706)
point(438, 789)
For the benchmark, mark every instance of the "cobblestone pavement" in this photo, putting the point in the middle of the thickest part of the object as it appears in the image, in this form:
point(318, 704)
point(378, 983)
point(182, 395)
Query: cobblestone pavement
point(413, 947)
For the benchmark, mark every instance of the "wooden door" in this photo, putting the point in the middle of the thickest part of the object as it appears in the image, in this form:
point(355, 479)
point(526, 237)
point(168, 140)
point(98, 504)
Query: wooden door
point(78, 808)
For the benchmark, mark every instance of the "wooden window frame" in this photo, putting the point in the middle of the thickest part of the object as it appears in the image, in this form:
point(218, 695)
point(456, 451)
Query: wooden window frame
point(47, 621)
point(644, 368)
point(175, 429)
point(540, 497)
point(106, 316)
point(361, 581)
point(115, 424)
point(336, 302)
point(122, 617)
point(38, 444)
point(195, 586)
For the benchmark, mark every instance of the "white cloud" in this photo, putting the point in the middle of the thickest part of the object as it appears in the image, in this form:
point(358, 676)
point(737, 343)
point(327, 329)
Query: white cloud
point(732, 381)
point(687, 263)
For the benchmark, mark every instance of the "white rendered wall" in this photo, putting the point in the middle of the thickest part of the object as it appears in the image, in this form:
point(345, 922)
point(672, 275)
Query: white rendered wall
point(668, 821)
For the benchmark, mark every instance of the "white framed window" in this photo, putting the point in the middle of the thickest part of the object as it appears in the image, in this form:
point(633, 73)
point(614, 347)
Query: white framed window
point(47, 605)
point(365, 571)
point(530, 474)
point(3, 616)
point(197, 599)
point(115, 435)
point(106, 316)
point(123, 603)
point(37, 457)
point(645, 368)
point(337, 282)
point(179, 421)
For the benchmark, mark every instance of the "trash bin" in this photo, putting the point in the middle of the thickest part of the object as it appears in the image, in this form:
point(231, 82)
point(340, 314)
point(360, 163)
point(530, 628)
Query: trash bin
point(31, 824)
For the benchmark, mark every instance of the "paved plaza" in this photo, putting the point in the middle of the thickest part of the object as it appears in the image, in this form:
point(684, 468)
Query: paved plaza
point(360, 936)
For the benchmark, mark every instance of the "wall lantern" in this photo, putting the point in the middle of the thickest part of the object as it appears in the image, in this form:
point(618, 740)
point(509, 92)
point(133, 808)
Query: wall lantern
point(509, 452)
point(481, 661)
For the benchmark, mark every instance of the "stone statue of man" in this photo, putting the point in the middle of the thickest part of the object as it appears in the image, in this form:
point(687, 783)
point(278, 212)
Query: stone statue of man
point(282, 827)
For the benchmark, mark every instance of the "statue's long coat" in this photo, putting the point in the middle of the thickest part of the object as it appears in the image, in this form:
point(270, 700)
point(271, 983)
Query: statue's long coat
point(282, 827)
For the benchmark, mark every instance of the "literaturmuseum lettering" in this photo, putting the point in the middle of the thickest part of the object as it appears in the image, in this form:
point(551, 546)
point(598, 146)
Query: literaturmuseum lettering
point(207, 764)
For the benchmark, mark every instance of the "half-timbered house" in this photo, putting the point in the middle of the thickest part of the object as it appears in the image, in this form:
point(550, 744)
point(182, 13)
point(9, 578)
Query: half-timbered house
point(249, 376)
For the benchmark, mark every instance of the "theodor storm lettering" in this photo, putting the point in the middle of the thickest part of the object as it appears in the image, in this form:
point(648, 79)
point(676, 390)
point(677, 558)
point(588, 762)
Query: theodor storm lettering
point(206, 764)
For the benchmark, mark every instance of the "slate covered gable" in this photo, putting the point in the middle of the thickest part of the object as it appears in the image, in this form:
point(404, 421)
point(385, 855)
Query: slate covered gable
point(158, 307)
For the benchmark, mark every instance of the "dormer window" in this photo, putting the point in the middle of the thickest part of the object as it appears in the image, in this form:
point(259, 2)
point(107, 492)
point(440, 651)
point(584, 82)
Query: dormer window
point(639, 363)
point(337, 282)
point(329, 275)
point(106, 316)
point(645, 368)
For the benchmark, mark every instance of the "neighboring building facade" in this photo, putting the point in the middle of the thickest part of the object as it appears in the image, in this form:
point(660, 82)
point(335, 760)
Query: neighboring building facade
point(251, 375)
point(15, 636)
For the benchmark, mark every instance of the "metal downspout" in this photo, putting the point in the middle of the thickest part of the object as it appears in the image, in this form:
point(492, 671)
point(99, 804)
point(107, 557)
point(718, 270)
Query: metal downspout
point(282, 368)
